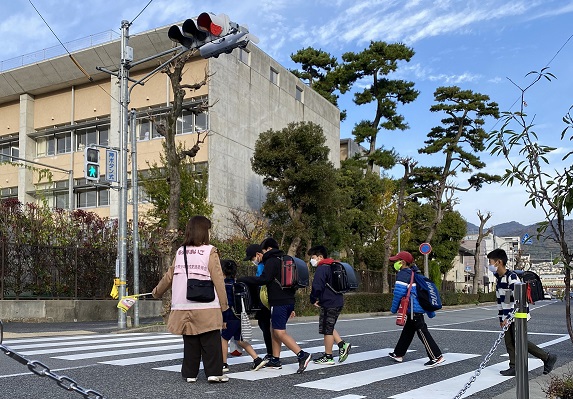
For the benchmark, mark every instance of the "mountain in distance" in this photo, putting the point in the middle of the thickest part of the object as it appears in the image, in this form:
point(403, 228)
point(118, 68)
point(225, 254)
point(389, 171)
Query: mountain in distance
point(542, 249)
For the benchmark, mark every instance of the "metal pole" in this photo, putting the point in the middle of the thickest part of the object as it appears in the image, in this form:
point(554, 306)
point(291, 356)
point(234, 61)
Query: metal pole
point(426, 271)
point(521, 367)
point(122, 239)
point(135, 204)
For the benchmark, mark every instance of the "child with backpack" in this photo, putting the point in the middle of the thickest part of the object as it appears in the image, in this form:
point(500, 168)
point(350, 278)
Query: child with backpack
point(281, 302)
point(231, 323)
point(504, 287)
point(330, 303)
point(403, 264)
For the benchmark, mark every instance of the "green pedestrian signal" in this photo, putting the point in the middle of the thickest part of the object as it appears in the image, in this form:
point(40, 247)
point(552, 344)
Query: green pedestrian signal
point(91, 164)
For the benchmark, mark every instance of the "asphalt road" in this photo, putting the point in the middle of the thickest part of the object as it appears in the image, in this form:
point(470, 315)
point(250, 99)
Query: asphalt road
point(106, 362)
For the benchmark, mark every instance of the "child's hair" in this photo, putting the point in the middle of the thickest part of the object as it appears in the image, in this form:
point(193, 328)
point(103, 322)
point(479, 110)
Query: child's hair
point(318, 250)
point(498, 253)
point(229, 267)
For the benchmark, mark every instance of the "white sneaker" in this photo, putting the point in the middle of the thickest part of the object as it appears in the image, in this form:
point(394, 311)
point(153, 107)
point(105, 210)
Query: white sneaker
point(192, 379)
point(218, 378)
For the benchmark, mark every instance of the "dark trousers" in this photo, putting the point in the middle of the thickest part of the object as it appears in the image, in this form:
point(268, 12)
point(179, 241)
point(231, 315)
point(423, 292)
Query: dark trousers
point(263, 317)
point(531, 347)
point(206, 346)
point(419, 326)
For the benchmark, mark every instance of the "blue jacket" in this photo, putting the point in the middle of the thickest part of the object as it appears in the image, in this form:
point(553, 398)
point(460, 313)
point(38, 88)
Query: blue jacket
point(401, 290)
point(320, 292)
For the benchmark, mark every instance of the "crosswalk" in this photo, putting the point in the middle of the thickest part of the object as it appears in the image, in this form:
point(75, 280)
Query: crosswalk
point(151, 349)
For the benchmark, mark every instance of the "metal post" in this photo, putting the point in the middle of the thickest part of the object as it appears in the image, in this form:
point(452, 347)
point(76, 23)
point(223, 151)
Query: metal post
point(426, 268)
point(122, 239)
point(521, 367)
point(135, 204)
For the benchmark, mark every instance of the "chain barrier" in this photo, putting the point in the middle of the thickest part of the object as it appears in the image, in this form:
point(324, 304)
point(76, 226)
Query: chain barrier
point(488, 356)
point(42, 370)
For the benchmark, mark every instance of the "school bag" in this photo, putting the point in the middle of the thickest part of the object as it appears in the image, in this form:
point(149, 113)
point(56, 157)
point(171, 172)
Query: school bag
point(533, 284)
point(427, 293)
point(294, 272)
point(343, 278)
point(242, 294)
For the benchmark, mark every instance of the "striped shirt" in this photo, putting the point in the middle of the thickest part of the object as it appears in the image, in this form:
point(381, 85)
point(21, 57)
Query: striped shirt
point(504, 292)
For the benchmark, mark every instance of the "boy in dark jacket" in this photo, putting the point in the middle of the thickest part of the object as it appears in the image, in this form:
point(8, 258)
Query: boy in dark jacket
point(330, 304)
point(281, 302)
point(403, 263)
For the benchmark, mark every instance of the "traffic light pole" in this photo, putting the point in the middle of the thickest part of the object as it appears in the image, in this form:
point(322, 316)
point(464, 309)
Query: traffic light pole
point(124, 102)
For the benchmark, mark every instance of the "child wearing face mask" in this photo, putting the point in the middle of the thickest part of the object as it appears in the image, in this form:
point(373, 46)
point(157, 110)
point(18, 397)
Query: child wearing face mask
point(415, 323)
point(330, 304)
point(505, 281)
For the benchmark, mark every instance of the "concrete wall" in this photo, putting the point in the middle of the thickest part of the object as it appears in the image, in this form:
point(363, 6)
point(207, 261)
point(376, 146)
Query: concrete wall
point(70, 310)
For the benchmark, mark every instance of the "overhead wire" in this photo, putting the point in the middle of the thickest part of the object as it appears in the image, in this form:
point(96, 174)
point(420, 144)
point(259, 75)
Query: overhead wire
point(147, 5)
point(548, 63)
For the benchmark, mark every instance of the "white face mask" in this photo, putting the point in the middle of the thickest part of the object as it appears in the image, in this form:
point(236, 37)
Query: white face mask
point(492, 268)
point(313, 262)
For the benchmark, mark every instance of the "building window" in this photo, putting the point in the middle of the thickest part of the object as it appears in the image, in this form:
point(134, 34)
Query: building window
point(298, 93)
point(64, 143)
point(92, 197)
point(9, 192)
point(274, 77)
point(245, 56)
point(147, 128)
point(8, 149)
point(92, 135)
point(45, 146)
point(201, 122)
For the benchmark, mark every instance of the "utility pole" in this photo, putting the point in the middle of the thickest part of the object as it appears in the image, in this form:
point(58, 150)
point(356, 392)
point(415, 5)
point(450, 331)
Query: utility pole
point(126, 58)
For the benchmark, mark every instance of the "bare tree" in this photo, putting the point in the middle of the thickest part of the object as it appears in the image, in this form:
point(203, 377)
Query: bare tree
point(477, 254)
point(250, 225)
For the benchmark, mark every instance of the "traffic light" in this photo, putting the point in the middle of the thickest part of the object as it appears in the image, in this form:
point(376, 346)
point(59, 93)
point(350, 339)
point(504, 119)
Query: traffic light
point(211, 34)
point(91, 163)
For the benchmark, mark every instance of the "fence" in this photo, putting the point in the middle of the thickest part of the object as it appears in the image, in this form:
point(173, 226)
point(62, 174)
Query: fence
point(41, 272)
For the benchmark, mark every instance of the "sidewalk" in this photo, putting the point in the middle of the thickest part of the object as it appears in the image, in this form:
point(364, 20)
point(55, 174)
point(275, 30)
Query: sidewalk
point(537, 384)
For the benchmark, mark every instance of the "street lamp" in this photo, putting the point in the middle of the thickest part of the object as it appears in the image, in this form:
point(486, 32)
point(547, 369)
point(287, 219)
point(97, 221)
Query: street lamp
point(413, 197)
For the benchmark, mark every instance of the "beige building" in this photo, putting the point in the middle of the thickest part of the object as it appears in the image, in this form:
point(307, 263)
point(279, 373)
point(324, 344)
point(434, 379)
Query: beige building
point(49, 111)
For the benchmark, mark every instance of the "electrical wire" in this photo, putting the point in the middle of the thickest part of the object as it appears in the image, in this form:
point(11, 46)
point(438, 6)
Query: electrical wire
point(56, 36)
point(150, 1)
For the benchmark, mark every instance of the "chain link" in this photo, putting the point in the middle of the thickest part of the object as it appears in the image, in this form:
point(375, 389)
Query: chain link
point(488, 356)
point(40, 369)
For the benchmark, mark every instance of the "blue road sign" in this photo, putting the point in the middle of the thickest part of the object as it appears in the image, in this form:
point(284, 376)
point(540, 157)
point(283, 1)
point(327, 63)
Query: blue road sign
point(111, 165)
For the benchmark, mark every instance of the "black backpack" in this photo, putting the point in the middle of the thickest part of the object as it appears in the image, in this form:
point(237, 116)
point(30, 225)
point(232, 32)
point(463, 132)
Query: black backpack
point(245, 292)
point(343, 278)
point(534, 288)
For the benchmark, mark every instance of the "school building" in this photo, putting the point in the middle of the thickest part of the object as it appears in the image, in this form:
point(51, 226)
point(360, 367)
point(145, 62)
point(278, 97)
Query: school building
point(50, 110)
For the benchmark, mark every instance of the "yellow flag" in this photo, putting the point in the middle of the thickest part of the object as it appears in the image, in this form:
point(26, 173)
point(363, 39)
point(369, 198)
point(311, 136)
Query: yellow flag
point(114, 292)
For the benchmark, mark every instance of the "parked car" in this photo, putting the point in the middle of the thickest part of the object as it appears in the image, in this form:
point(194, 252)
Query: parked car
point(547, 295)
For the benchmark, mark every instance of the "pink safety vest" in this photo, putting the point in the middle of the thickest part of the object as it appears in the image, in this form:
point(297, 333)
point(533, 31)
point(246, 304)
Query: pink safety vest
point(198, 265)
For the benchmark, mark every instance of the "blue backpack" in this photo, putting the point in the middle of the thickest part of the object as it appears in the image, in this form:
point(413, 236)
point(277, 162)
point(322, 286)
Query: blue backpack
point(428, 294)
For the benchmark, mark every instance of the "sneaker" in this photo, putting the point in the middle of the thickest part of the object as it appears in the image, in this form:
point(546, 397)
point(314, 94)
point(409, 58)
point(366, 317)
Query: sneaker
point(509, 372)
point(218, 378)
point(225, 367)
point(303, 361)
point(434, 362)
point(191, 379)
point(274, 364)
point(259, 363)
point(396, 357)
point(343, 352)
point(549, 363)
point(324, 360)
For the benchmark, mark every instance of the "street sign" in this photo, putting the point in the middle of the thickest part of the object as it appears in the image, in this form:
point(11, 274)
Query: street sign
point(425, 248)
point(111, 165)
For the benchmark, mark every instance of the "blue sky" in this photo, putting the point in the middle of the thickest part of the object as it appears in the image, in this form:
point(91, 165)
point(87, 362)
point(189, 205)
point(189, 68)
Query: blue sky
point(476, 45)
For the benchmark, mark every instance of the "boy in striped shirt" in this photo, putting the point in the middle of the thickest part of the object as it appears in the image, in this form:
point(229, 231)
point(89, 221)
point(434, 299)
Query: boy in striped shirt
point(505, 281)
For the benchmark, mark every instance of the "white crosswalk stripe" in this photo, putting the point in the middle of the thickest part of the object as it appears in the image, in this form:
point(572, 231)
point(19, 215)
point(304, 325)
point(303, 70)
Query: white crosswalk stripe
point(126, 350)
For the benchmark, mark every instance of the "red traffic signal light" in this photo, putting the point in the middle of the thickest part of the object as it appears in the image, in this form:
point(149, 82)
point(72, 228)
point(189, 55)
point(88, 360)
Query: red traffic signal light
point(216, 25)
